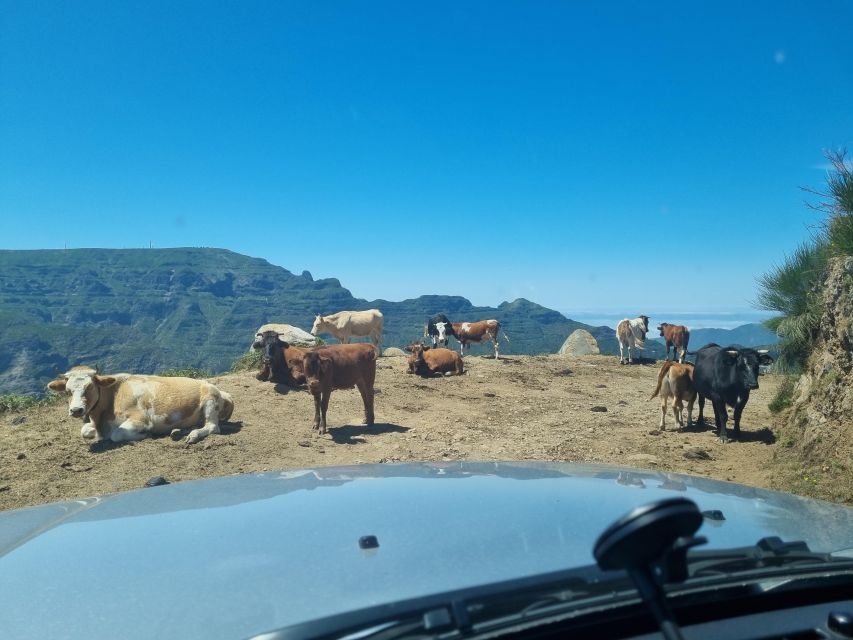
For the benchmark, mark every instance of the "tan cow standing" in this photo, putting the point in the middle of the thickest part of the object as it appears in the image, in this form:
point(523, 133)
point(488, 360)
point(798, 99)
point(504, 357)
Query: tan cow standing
point(123, 407)
point(676, 336)
point(346, 324)
point(675, 380)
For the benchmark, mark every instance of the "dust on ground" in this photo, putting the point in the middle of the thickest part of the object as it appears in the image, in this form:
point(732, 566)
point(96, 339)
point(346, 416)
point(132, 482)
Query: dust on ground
point(515, 408)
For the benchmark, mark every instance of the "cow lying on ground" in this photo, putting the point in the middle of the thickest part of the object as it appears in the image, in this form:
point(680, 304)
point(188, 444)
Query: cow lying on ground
point(346, 324)
point(282, 362)
point(124, 407)
point(726, 376)
point(676, 336)
point(439, 328)
point(427, 361)
point(468, 332)
point(341, 366)
point(631, 333)
point(675, 381)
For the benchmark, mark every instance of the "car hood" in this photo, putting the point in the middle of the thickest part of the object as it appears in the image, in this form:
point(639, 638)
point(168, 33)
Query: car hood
point(235, 556)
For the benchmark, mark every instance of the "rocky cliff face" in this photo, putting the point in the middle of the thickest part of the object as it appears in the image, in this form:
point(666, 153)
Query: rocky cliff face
point(817, 437)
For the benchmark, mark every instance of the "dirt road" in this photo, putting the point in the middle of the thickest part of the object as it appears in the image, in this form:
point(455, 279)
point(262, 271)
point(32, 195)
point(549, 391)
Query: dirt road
point(515, 408)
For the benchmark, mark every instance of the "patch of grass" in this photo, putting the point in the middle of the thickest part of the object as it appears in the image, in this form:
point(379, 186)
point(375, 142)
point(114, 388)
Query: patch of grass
point(14, 403)
point(250, 361)
point(188, 372)
point(784, 396)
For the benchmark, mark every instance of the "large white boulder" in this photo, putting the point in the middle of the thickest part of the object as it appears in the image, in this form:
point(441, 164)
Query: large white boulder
point(287, 332)
point(579, 343)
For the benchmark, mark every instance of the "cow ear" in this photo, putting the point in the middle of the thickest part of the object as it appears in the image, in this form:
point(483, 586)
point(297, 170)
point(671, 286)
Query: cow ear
point(57, 385)
point(426, 348)
point(326, 365)
point(104, 381)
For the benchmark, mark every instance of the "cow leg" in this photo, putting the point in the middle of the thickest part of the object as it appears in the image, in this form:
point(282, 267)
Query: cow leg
point(324, 406)
point(128, 431)
point(721, 415)
point(316, 411)
point(738, 411)
point(701, 418)
point(497, 349)
point(690, 411)
point(367, 398)
point(662, 424)
point(677, 408)
point(630, 360)
point(210, 408)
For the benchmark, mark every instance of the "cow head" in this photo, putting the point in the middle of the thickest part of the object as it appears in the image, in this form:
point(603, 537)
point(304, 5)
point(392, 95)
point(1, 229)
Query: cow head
point(645, 320)
point(270, 343)
point(441, 327)
point(743, 365)
point(319, 325)
point(315, 368)
point(416, 360)
point(661, 327)
point(83, 385)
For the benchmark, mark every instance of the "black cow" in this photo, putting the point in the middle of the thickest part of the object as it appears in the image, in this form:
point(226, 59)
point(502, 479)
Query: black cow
point(439, 329)
point(726, 376)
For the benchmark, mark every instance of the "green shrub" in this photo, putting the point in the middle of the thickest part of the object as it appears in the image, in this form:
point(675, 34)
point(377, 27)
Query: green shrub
point(15, 403)
point(784, 396)
point(188, 372)
point(250, 361)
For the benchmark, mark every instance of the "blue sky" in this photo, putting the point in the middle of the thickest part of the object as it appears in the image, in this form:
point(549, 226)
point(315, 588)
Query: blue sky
point(613, 158)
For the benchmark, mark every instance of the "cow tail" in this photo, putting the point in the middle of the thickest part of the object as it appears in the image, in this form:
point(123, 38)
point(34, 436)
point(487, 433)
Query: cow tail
point(663, 372)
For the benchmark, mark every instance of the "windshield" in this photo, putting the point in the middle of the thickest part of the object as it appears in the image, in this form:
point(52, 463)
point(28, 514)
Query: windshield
point(490, 241)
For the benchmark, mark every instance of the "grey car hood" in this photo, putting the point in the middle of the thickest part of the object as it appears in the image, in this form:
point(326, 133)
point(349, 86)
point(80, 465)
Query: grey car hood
point(231, 557)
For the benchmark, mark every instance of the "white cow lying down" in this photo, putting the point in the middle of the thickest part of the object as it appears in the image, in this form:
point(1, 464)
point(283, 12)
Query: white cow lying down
point(123, 406)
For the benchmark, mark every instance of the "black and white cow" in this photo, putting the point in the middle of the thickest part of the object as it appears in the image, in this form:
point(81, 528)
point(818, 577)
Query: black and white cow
point(439, 328)
point(726, 376)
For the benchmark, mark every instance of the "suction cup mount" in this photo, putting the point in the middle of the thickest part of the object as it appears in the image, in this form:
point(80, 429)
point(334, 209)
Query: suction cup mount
point(651, 543)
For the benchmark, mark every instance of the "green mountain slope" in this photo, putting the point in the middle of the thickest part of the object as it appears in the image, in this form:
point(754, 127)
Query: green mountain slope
point(144, 310)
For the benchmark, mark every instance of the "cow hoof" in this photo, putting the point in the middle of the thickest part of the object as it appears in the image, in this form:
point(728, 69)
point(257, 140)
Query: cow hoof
point(88, 432)
point(192, 438)
point(175, 434)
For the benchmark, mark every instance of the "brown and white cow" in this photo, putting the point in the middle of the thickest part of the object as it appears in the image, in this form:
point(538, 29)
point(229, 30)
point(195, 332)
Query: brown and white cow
point(676, 336)
point(431, 361)
point(468, 332)
point(346, 324)
point(675, 381)
point(340, 366)
point(123, 407)
point(631, 333)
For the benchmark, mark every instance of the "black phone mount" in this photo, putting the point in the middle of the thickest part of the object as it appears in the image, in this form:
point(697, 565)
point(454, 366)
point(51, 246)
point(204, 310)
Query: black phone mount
point(651, 543)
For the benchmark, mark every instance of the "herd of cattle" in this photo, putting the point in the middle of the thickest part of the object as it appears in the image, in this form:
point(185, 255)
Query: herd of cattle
point(123, 407)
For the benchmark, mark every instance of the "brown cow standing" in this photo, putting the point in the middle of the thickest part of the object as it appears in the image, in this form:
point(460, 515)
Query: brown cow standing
point(429, 361)
point(467, 332)
point(676, 381)
point(282, 362)
point(677, 336)
point(340, 366)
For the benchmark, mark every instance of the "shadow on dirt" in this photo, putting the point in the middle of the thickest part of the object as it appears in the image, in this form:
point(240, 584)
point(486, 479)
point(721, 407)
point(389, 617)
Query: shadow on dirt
point(350, 434)
point(764, 434)
point(283, 389)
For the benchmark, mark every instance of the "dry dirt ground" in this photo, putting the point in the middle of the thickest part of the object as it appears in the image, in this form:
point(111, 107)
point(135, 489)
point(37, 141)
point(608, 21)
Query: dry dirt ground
point(515, 408)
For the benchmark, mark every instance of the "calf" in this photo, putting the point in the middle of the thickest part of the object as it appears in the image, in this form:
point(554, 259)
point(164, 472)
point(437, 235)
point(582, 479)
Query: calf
point(428, 362)
point(675, 380)
point(631, 333)
point(676, 336)
point(468, 332)
point(124, 407)
point(439, 328)
point(341, 366)
point(726, 376)
point(282, 362)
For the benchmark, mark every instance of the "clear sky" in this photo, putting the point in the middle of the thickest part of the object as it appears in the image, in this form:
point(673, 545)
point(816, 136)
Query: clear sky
point(596, 157)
